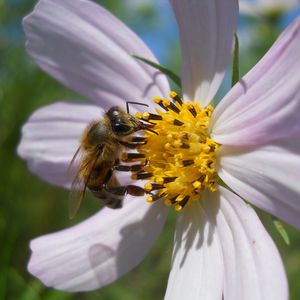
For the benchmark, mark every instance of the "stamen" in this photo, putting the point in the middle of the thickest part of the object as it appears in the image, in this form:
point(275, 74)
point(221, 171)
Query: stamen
point(174, 199)
point(177, 122)
point(182, 203)
point(176, 98)
point(142, 175)
point(149, 187)
point(192, 110)
point(180, 157)
point(185, 146)
point(155, 197)
point(162, 180)
point(148, 116)
point(159, 101)
point(173, 107)
point(187, 162)
point(196, 184)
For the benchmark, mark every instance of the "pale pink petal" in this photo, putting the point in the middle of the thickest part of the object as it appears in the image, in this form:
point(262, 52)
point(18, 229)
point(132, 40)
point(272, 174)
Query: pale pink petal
point(252, 265)
point(197, 263)
point(206, 33)
point(51, 137)
point(221, 247)
point(99, 250)
point(265, 104)
point(267, 176)
point(89, 50)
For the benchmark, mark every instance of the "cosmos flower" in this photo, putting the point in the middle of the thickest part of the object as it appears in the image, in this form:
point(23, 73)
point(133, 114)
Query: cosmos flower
point(247, 148)
point(266, 7)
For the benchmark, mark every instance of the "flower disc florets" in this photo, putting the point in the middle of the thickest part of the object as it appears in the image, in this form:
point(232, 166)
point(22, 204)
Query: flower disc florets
point(180, 160)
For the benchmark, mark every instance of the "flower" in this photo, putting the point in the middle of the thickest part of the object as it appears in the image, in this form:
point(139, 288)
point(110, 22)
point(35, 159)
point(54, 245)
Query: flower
point(266, 7)
point(221, 247)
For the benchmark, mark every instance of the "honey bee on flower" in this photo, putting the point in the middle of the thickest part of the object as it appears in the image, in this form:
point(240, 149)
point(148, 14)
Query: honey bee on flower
point(97, 158)
point(204, 161)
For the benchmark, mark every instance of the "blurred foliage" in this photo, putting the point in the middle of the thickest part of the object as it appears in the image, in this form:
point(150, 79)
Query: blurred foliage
point(30, 207)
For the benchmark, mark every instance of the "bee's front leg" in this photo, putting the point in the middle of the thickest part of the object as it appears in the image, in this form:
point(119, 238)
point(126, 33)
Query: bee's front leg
point(133, 190)
point(134, 142)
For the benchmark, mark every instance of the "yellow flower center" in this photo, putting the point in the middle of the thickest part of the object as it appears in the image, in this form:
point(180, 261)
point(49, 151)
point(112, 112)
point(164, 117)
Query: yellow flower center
point(180, 160)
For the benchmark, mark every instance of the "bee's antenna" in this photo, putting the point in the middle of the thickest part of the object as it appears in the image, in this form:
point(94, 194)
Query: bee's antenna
point(148, 129)
point(145, 127)
point(131, 102)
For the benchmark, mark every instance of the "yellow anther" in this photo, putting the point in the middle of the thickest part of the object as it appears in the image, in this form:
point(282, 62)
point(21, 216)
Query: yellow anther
point(177, 143)
point(170, 137)
point(146, 115)
point(149, 199)
point(213, 188)
point(139, 115)
point(179, 198)
point(157, 99)
point(172, 94)
point(168, 146)
point(148, 187)
point(159, 180)
point(166, 102)
point(178, 207)
point(196, 184)
point(206, 180)
point(190, 105)
point(168, 202)
point(178, 157)
point(206, 148)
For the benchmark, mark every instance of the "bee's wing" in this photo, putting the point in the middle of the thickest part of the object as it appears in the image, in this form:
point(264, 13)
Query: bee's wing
point(79, 185)
point(76, 195)
point(75, 162)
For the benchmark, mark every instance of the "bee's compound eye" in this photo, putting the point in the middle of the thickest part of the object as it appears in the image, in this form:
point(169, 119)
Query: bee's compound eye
point(121, 128)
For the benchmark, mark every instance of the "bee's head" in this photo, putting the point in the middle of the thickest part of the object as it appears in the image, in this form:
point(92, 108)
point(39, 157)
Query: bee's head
point(122, 123)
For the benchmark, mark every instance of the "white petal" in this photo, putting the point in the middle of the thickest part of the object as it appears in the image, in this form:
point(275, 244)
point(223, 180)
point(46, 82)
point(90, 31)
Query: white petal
point(197, 264)
point(267, 176)
point(89, 50)
point(51, 137)
point(99, 250)
point(221, 247)
point(206, 32)
point(253, 267)
point(265, 104)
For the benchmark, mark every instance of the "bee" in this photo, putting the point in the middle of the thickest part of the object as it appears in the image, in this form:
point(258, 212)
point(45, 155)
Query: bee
point(98, 156)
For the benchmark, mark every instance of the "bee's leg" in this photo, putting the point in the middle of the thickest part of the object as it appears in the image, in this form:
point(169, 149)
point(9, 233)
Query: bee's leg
point(131, 145)
point(132, 168)
point(121, 190)
point(138, 139)
point(133, 190)
point(134, 142)
point(129, 168)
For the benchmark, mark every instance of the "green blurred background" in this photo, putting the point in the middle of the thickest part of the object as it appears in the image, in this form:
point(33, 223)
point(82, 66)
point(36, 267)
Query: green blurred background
point(30, 207)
